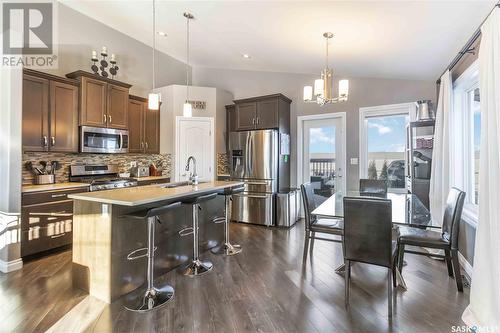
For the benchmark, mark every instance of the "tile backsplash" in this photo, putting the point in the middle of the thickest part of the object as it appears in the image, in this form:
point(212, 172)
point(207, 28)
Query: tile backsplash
point(123, 160)
point(222, 164)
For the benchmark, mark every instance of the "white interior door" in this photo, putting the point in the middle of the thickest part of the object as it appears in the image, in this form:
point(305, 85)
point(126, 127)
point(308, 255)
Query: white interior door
point(194, 137)
point(323, 155)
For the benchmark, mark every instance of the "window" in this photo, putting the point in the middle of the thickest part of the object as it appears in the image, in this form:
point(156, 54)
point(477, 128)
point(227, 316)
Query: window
point(383, 142)
point(466, 136)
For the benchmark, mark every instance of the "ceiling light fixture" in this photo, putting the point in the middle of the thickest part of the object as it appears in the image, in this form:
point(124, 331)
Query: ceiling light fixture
point(162, 33)
point(154, 98)
point(323, 87)
point(246, 56)
point(187, 109)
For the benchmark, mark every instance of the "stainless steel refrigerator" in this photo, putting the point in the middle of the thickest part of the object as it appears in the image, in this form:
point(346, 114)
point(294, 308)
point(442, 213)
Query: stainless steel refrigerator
point(255, 160)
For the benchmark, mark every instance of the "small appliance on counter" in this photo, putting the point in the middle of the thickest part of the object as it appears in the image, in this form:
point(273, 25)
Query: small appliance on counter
point(100, 177)
point(139, 171)
point(154, 170)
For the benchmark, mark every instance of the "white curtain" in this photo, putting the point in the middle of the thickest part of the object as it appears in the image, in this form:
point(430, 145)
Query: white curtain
point(441, 154)
point(484, 308)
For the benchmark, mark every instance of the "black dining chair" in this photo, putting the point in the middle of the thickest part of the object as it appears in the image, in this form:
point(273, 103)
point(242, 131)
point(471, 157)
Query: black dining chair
point(373, 187)
point(368, 239)
point(315, 225)
point(446, 240)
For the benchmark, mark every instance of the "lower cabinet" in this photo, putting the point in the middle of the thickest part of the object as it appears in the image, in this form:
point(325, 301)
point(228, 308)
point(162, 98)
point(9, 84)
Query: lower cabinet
point(46, 221)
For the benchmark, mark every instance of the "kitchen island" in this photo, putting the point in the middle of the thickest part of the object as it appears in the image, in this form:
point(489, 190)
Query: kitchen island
point(105, 242)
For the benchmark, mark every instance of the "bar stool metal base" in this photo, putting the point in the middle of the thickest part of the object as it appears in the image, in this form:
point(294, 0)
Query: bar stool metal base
point(152, 298)
point(198, 267)
point(228, 249)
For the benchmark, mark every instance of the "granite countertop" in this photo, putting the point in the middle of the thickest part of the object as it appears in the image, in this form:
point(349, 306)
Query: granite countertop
point(140, 195)
point(51, 187)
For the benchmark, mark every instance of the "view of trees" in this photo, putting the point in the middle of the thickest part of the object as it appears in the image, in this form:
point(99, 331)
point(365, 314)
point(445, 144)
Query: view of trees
point(383, 173)
point(372, 170)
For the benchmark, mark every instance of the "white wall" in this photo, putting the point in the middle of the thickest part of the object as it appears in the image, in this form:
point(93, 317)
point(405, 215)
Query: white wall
point(363, 92)
point(10, 162)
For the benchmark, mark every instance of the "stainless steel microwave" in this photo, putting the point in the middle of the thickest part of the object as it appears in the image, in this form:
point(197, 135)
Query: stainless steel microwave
point(103, 140)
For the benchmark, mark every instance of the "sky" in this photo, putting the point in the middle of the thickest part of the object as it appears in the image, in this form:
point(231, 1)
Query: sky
point(385, 134)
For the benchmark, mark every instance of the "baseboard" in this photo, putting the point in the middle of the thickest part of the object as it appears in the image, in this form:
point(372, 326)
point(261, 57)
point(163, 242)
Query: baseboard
point(466, 266)
point(10, 266)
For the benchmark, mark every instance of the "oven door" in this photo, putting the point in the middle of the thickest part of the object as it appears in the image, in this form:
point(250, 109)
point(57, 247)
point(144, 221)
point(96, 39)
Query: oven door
point(103, 140)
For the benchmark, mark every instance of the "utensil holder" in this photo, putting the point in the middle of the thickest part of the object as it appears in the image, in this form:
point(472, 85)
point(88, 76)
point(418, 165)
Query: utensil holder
point(45, 179)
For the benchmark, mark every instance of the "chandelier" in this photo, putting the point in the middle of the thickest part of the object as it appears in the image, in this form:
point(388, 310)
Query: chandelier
point(323, 87)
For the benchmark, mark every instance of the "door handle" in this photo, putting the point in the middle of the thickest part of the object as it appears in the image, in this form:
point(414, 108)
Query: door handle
point(121, 140)
point(53, 139)
point(105, 119)
point(45, 141)
point(109, 116)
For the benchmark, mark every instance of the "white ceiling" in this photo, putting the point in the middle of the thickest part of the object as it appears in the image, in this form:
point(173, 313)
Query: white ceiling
point(390, 39)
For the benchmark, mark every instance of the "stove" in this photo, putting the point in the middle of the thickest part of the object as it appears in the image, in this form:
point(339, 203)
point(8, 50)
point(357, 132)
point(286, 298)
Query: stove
point(100, 177)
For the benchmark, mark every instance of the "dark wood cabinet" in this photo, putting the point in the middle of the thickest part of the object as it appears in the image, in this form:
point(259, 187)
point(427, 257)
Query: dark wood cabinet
point(35, 132)
point(103, 101)
point(93, 102)
point(50, 113)
point(63, 117)
point(46, 220)
point(136, 126)
point(117, 106)
point(246, 114)
point(264, 112)
point(144, 127)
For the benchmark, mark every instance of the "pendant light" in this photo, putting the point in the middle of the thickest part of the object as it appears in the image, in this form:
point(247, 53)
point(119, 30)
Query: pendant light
point(323, 86)
point(154, 98)
point(187, 109)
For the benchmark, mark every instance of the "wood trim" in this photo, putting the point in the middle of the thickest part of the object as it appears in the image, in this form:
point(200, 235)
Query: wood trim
point(138, 98)
point(78, 74)
point(258, 98)
point(51, 77)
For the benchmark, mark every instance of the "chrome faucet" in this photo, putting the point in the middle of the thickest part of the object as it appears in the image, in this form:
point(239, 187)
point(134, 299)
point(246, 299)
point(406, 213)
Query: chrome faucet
point(193, 176)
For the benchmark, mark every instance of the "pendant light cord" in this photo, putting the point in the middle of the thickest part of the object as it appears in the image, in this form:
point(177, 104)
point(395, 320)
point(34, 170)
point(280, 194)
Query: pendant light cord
point(326, 62)
point(154, 43)
point(187, 63)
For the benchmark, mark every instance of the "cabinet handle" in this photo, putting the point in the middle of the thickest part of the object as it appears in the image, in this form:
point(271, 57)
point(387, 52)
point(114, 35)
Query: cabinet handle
point(58, 195)
point(142, 145)
point(253, 121)
point(147, 146)
point(45, 141)
point(257, 120)
point(53, 139)
point(109, 119)
point(57, 236)
point(105, 119)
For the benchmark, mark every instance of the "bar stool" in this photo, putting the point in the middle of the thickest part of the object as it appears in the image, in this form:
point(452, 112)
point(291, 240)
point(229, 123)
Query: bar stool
point(154, 296)
point(227, 248)
point(197, 266)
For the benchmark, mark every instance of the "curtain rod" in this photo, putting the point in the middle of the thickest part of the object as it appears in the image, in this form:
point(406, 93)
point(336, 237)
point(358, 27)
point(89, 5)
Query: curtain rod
point(467, 48)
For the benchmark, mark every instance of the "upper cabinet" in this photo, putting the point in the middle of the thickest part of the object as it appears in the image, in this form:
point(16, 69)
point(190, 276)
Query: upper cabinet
point(264, 112)
point(50, 113)
point(144, 128)
point(103, 101)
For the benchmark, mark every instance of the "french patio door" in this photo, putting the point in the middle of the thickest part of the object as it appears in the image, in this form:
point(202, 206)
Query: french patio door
point(323, 156)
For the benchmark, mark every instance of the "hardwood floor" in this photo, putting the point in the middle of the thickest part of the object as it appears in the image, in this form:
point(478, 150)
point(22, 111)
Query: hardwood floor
point(266, 288)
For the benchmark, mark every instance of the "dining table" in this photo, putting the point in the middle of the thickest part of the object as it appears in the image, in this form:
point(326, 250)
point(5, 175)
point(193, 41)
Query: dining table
point(407, 210)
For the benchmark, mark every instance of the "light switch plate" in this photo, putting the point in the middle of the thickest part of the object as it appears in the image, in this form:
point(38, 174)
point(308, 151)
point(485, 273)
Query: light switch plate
point(354, 161)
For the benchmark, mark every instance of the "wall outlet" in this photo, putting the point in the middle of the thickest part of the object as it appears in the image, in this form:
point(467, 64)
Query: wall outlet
point(354, 161)
point(133, 164)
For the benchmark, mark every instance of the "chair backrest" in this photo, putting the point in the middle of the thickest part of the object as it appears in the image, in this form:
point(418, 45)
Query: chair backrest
point(372, 186)
point(309, 203)
point(453, 215)
point(368, 230)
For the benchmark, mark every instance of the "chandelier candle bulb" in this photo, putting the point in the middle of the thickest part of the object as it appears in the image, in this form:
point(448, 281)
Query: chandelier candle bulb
point(153, 101)
point(319, 87)
point(94, 55)
point(308, 93)
point(343, 89)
